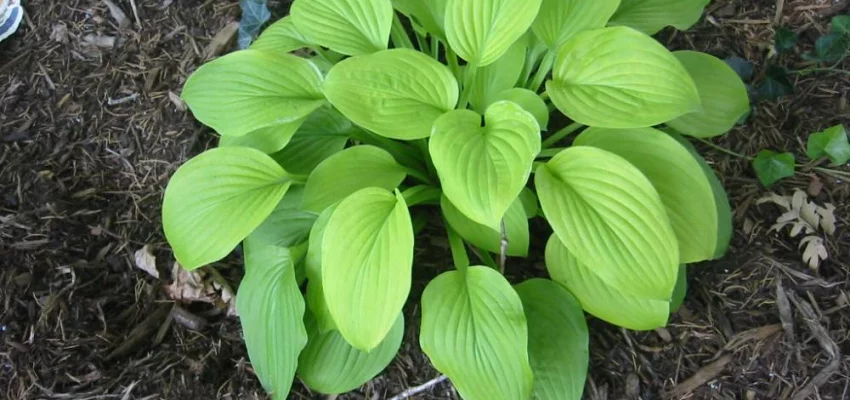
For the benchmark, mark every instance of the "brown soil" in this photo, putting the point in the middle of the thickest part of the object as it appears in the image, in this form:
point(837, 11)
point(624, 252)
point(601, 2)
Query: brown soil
point(89, 136)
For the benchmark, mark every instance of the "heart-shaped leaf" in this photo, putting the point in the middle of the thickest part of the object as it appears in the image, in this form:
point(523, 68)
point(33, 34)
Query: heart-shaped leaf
point(650, 16)
point(268, 140)
point(557, 340)
point(723, 96)
point(612, 218)
point(281, 37)
point(530, 102)
point(597, 82)
point(481, 31)
point(348, 171)
point(516, 229)
point(330, 365)
point(559, 20)
point(216, 199)
point(676, 175)
point(350, 27)
point(249, 90)
point(474, 331)
point(367, 255)
point(599, 298)
point(323, 134)
point(497, 77)
point(271, 310)
point(771, 166)
point(830, 143)
point(483, 169)
point(395, 93)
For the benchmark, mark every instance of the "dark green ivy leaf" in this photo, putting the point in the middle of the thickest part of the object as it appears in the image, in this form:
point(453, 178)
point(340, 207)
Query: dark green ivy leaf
point(255, 13)
point(742, 67)
point(830, 143)
point(829, 48)
point(775, 84)
point(840, 25)
point(771, 166)
point(785, 39)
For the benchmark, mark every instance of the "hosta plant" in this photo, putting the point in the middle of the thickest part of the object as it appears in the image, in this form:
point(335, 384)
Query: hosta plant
point(346, 121)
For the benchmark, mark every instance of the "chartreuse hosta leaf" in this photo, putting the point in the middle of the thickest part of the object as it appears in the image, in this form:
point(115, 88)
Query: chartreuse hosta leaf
point(681, 289)
point(332, 366)
point(268, 140)
point(723, 96)
point(483, 169)
point(529, 101)
point(315, 289)
point(474, 331)
point(287, 225)
point(395, 93)
point(271, 310)
point(721, 200)
point(250, 89)
point(367, 255)
point(348, 171)
point(350, 27)
point(650, 16)
point(557, 340)
point(599, 298)
point(430, 14)
point(485, 238)
point(498, 76)
point(323, 134)
point(597, 82)
point(612, 218)
point(559, 20)
point(676, 175)
point(281, 37)
point(216, 199)
point(481, 31)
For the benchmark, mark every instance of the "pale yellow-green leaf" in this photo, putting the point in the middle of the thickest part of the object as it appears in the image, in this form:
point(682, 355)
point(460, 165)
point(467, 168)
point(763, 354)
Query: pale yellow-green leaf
point(676, 175)
point(367, 256)
point(481, 31)
point(474, 331)
point(612, 218)
point(350, 27)
point(599, 298)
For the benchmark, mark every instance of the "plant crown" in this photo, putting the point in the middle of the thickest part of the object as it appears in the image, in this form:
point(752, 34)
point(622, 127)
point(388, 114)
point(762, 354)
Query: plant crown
point(349, 121)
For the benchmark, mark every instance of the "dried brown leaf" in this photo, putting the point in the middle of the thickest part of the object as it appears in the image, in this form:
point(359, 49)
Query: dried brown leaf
point(815, 251)
point(146, 261)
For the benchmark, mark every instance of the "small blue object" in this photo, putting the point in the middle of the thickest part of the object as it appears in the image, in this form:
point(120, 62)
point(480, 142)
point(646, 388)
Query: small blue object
point(255, 13)
point(11, 14)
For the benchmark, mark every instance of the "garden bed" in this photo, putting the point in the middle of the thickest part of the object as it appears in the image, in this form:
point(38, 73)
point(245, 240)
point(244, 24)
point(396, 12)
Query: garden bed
point(91, 128)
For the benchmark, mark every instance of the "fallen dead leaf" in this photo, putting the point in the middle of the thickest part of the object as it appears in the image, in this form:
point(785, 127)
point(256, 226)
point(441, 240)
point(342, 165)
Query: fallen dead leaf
point(199, 286)
point(117, 14)
point(146, 261)
point(177, 101)
point(221, 40)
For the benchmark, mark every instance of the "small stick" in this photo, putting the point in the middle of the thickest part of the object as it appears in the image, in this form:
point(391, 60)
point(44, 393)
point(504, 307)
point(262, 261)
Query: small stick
point(136, 13)
point(421, 388)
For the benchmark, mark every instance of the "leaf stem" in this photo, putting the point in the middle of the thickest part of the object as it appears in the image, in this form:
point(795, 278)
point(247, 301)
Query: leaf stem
point(451, 57)
point(549, 153)
point(503, 246)
point(423, 43)
point(435, 48)
point(566, 131)
point(723, 149)
point(468, 84)
point(459, 256)
point(399, 34)
point(542, 71)
point(426, 155)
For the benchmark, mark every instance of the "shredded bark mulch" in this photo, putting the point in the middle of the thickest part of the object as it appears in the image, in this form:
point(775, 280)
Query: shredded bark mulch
point(92, 127)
